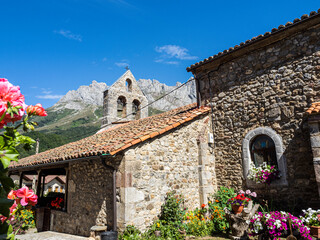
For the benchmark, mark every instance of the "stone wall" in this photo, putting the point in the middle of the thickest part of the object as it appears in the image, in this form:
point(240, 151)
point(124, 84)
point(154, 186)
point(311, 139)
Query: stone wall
point(269, 87)
point(131, 92)
point(89, 199)
point(168, 162)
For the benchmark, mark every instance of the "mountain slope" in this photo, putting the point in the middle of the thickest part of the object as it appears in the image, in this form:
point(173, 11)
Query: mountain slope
point(78, 114)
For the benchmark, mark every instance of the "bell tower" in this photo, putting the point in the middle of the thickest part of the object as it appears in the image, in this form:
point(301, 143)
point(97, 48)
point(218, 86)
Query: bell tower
point(123, 101)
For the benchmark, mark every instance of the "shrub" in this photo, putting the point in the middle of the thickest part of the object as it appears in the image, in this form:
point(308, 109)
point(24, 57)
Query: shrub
point(221, 197)
point(130, 233)
point(172, 211)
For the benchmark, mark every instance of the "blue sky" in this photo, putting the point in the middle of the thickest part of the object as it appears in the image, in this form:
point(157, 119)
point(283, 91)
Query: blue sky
point(52, 46)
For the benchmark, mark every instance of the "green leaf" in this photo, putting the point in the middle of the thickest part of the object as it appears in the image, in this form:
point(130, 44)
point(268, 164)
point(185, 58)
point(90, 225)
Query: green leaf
point(7, 182)
point(5, 204)
point(8, 155)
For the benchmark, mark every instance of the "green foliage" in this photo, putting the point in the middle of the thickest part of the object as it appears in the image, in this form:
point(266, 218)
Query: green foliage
point(221, 197)
point(201, 228)
point(23, 220)
point(172, 211)
point(168, 230)
point(130, 233)
point(216, 206)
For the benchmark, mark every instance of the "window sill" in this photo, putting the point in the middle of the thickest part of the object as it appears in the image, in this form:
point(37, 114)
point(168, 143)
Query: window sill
point(282, 182)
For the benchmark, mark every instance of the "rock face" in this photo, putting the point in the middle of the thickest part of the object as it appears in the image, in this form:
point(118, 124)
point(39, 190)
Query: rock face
point(85, 95)
point(152, 89)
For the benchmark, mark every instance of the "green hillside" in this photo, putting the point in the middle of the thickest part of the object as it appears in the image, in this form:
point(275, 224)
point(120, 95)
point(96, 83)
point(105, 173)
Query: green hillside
point(64, 126)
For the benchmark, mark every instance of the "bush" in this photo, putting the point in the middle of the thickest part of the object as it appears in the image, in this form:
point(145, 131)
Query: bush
point(130, 233)
point(23, 220)
point(216, 206)
point(172, 211)
point(197, 223)
point(221, 197)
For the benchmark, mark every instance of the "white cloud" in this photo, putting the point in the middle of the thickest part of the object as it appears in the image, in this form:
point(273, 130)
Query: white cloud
point(167, 62)
point(49, 96)
point(104, 59)
point(68, 34)
point(174, 51)
point(122, 64)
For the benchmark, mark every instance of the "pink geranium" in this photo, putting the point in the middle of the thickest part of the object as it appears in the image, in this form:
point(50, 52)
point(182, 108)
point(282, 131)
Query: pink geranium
point(12, 94)
point(27, 196)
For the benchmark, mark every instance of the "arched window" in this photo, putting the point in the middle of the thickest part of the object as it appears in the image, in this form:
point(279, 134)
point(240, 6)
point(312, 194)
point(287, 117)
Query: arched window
point(121, 107)
point(136, 109)
point(129, 85)
point(260, 145)
point(262, 150)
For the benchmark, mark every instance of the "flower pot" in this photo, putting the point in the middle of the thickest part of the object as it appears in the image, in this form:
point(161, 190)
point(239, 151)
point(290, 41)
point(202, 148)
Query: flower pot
point(315, 231)
point(237, 209)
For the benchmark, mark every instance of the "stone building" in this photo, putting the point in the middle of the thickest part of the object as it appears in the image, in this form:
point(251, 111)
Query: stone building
point(260, 92)
point(123, 101)
point(140, 160)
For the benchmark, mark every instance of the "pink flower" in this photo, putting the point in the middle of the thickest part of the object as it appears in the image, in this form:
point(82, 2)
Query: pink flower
point(254, 194)
point(37, 110)
point(12, 195)
point(241, 192)
point(248, 192)
point(26, 196)
point(13, 207)
point(2, 218)
point(12, 94)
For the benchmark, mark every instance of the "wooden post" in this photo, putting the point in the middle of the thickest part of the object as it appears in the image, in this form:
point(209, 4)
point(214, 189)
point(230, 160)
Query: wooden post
point(43, 182)
point(39, 183)
point(20, 179)
point(66, 189)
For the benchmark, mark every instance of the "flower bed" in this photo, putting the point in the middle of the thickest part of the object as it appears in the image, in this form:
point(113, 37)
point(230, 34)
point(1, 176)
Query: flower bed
point(275, 224)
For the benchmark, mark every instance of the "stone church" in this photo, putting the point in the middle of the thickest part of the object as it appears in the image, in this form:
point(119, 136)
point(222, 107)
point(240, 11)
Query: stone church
point(260, 102)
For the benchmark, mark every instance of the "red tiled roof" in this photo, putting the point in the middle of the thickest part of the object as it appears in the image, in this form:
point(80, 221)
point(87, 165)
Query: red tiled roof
point(114, 140)
point(274, 31)
point(315, 108)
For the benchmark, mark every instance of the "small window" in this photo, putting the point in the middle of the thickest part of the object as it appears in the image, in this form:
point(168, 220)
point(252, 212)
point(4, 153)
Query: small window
point(260, 145)
point(136, 109)
point(121, 107)
point(129, 85)
point(263, 150)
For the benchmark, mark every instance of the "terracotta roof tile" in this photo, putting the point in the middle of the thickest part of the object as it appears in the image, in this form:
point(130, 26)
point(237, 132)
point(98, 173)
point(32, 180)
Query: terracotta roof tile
point(116, 139)
point(314, 108)
point(255, 39)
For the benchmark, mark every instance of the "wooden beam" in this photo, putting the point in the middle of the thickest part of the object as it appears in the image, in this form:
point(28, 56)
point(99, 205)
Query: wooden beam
point(39, 183)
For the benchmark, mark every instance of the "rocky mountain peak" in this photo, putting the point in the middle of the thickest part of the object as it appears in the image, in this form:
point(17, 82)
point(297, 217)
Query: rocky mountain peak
point(153, 90)
point(85, 95)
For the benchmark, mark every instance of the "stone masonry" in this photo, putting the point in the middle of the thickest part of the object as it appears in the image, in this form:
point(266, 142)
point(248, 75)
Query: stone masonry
point(89, 199)
point(271, 85)
point(127, 88)
point(170, 162)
